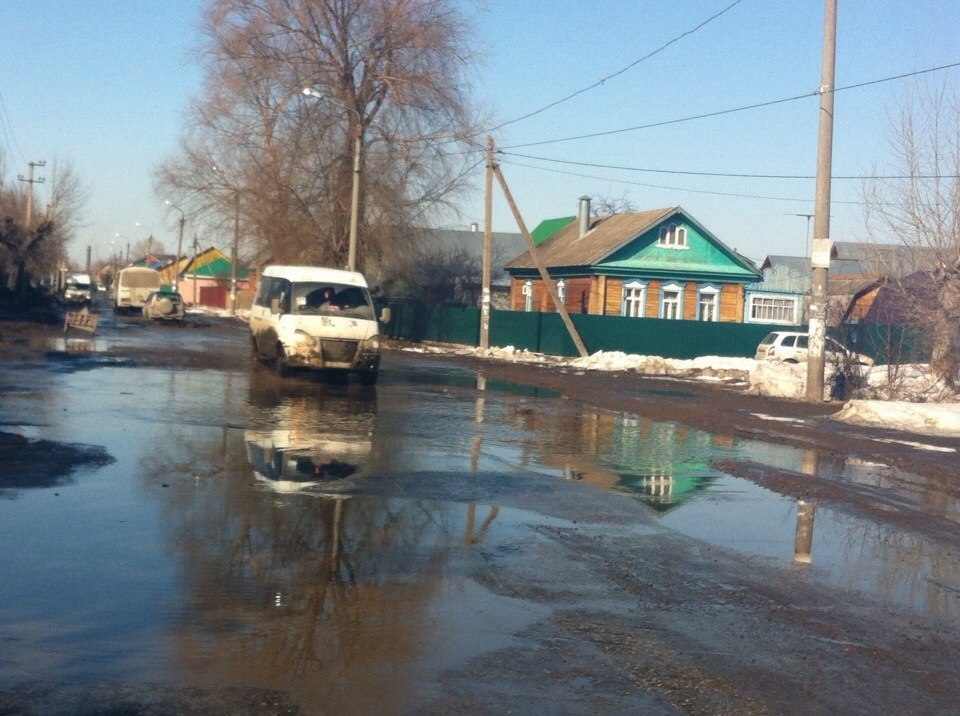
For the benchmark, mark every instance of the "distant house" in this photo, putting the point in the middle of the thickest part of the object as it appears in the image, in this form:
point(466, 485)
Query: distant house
point(856, 273)
point(468, 246)
point(205, 279)
point(660, 263)
point(154, 261)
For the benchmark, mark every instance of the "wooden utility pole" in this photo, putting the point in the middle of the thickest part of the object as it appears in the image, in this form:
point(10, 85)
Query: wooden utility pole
point(487, 250)
point(820, 258)
point(547, 281)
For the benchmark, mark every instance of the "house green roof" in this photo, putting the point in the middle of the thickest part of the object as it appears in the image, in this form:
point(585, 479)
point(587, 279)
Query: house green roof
point(220, 268)
point(548, 227)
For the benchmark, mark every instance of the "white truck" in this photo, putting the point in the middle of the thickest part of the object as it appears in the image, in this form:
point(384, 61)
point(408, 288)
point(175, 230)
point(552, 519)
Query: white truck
point(77, 289)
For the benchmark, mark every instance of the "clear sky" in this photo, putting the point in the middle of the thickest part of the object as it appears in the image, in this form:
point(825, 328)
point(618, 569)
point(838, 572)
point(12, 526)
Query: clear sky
point(104, 84)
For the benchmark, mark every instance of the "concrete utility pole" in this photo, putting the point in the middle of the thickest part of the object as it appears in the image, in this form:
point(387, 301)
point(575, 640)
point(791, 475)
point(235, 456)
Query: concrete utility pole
point(28, 218)
point(183, 220)
point(355, 196)
point(193, 264)
point(89, 250)
point(233, 253)
point(487, 250)
point(820, 259)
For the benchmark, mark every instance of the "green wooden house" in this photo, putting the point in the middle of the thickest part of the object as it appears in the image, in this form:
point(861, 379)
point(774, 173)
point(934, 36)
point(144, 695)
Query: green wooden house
point(660, 263)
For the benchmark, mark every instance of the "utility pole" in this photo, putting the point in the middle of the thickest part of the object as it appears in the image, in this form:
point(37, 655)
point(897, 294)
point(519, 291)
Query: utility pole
point(89, 249)
point(193, 264)
point(176, 275)
point(233, 253)
point(820, 258)
point(355, 196)
point(806, 243)
point(487, 250)
point(548, 283)
point(28, 219)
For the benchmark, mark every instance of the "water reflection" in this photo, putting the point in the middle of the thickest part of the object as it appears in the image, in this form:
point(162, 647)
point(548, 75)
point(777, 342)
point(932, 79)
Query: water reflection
point(295, 587)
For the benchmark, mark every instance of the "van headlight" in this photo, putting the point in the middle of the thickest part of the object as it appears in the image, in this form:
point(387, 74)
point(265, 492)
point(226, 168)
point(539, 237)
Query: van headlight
point(371, 345)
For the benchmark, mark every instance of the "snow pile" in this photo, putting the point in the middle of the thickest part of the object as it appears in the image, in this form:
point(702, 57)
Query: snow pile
point(779, 380)
point(912, 382)
point(243, 314)
point(706, 367)
point(901, 415)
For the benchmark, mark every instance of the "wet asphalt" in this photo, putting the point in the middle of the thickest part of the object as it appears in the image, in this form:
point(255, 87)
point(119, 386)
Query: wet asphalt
point(265, 545)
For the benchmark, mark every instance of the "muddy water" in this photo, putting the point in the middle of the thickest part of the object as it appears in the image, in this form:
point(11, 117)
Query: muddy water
point(302, 538)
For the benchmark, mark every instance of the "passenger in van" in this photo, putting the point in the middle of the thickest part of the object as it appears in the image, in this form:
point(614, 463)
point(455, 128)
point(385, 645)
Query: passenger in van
point(322, 298)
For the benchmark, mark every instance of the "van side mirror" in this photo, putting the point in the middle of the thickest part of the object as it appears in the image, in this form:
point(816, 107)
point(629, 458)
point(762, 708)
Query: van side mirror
point(385, 315)
point(274, 305)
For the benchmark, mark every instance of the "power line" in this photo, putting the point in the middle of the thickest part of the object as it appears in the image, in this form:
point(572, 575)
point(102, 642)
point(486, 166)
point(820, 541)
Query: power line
point(672, 188)
point(7, 127)
point(633, 64)
point(731, 110)
point(734, 175)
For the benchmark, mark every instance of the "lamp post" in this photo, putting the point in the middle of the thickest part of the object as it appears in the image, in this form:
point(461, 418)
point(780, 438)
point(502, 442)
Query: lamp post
point(357, 171)
point(183, 219)
point(141, 225)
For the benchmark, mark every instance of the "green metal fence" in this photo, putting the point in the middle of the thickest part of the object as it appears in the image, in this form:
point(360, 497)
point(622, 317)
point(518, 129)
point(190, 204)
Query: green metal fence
point(545, 333)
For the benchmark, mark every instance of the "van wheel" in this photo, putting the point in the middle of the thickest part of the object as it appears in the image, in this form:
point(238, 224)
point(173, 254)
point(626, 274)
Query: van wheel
point(254, 353)
point(280, 363)
point(791, 361)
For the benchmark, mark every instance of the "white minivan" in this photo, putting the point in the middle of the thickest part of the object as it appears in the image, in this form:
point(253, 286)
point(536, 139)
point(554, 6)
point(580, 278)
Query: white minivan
point(320, 318)
point(134, 286)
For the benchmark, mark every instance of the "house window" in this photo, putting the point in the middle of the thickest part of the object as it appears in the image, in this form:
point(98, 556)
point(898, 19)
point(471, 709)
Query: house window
point(773, 309)
point(708, 304)
point(634, 299)
point(673, 236)
point(671, 302)
point(528, 296)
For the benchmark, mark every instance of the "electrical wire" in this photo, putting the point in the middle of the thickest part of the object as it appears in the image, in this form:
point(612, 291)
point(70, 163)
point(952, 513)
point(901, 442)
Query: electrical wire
point(731, 110)
point(672, 188)
point(619, 72)
point(7, 126)
point(734, 175)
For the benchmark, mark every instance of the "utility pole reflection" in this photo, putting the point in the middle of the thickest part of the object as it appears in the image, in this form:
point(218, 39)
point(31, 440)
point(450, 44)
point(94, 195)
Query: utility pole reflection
point(803, 543)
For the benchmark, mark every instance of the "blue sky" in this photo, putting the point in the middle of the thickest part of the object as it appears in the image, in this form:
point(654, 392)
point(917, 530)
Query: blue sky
point(105, 84)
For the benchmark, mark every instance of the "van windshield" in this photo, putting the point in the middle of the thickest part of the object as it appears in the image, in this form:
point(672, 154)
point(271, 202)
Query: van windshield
point(332, 299)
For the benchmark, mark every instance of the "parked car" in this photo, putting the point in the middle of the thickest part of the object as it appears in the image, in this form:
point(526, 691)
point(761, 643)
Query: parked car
point(790, 347)
point(164, 306)
point(76, 289)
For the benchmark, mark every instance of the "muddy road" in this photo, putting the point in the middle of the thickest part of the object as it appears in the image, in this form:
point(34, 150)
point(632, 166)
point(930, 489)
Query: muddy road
point(183, 532)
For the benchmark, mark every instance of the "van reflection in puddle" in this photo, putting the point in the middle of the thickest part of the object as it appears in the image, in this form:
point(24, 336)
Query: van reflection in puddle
point(285, 467)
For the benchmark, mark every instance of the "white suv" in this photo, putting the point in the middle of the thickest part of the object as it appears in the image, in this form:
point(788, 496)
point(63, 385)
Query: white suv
point(788, 347)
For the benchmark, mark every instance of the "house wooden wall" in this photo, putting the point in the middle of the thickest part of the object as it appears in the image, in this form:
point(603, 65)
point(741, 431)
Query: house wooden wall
point(603, 295)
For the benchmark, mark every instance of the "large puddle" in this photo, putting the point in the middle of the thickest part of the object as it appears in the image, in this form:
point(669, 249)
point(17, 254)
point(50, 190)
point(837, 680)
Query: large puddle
point(254, 533)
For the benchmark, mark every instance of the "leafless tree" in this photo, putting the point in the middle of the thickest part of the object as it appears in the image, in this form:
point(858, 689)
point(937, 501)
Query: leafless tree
point(391, 70)
point(37, 250)
point(608, 205)
point(922, 213)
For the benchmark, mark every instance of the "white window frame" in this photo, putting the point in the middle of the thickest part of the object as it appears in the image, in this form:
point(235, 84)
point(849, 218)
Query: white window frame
point(633, 296)
point(527, 291)
point(672, 236)
point(671, 288)
point(777, 304)
point(714, 293)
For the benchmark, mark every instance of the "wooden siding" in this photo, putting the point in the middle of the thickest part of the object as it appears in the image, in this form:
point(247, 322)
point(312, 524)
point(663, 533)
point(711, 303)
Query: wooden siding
point(731, 302)
point(577, 294)
point(690, 301)
point(614, 297)
point(598, 292)
point(516, 294)
point(653, 300)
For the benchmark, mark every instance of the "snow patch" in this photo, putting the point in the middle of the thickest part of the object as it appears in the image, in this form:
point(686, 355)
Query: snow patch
point(902, 415)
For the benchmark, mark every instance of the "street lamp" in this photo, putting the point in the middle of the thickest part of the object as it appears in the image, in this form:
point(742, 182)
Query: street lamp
point(355, 192)
point(141, 225)
point(183, 219)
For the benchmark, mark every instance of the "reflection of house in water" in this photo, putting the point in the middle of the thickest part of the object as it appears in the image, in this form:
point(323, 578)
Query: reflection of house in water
point(662, 463)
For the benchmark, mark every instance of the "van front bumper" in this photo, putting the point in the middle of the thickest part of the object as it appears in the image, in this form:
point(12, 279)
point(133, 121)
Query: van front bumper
point(336, 354)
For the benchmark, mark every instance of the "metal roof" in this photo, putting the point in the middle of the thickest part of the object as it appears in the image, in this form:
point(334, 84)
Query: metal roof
point(606, 235)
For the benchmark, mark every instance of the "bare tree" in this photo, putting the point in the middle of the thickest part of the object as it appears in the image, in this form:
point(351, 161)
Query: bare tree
point(391, 71)
point(608, 205)
point(922, 212)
